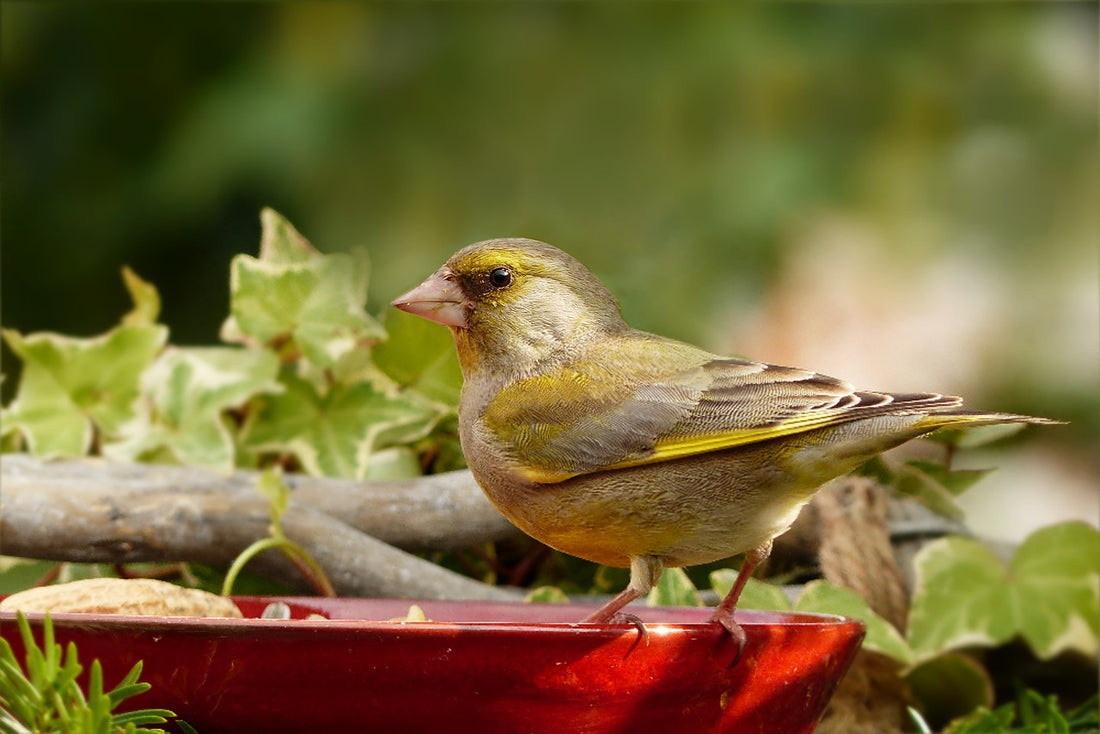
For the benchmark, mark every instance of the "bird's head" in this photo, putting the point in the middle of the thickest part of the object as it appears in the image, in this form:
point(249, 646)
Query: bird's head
point(516, 299)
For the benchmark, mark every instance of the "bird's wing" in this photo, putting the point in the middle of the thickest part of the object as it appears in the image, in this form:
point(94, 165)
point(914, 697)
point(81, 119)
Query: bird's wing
point(748, 402)
point(590, 417)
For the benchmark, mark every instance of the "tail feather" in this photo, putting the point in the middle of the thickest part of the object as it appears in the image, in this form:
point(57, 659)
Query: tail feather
point(972, 419)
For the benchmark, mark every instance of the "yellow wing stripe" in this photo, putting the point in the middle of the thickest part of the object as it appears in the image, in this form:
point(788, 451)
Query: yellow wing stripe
point(681, 446)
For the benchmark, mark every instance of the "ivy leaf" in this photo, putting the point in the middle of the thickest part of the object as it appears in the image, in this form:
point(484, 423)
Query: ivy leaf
point(546, 595)
point(420, 355)
point(606, 578)
point(950, 685)
point(70, 387)
point(756, 594)
point(674, 589)
point(11, 437)
point(146, 300)
point(1056, 570)
point(280, 242)
point(954, 481)
point(334, 432)
point(935, 485)
point(297, 301)
point(393, 463)
point(961, 598)
point(910, 479)
point(185, 396)
point(964, 596)
point(819, 597)
point(17, 574)
point(882, 637)
point(969, 438)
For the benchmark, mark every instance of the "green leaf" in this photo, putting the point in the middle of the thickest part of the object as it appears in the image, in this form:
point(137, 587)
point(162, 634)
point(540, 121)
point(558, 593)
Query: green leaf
point(1086, 716)
point(964, 596)
point(877, 469)
point(280, 242)
point(969, 438)
point(185, 395)
point(395, 462)
point(608, 578)
point(11, 437)
point(674, 589)
point(547, 595)
point(983, 721)
point(756, 594)
point(47, 695)
point(71, 387)
point(949, 686)
point(909, 479)
point(882, 637)
point(146, 299)
point(954, 481)
point(1055, 573)
point(818, 597)
point(298, 301)
point(421, 355)
point(17, 574)
point(961, 598)
point(334, 433)
point(98, 702)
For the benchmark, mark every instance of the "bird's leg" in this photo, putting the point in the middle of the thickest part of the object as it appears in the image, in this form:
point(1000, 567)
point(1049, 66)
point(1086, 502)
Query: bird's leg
point(611, 609)
point(644, 573)
point(723, 613)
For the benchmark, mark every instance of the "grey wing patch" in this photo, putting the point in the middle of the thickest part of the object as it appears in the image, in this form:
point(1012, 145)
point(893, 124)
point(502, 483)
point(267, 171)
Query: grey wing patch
point(627, 431)
point(752, 394)
point(721, 396)
point(718, 396)
point(744, 395)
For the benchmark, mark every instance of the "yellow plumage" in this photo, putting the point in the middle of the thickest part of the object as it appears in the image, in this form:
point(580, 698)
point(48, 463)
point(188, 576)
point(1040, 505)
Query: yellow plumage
point(630, 449)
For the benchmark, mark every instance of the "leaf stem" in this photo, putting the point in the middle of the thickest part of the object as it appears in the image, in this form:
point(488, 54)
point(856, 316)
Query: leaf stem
point(297, 555)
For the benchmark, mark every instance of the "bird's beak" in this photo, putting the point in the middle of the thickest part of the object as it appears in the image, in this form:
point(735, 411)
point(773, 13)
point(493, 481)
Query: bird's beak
point(437, 299)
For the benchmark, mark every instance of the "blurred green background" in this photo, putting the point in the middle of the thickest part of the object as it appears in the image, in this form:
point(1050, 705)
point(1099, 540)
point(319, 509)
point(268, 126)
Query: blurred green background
point(903, 194)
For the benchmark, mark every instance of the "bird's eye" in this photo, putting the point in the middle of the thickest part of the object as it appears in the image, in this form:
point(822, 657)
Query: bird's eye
point(500, 277)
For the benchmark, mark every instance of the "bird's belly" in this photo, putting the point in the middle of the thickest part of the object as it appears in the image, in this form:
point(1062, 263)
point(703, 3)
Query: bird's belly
point(686, 512)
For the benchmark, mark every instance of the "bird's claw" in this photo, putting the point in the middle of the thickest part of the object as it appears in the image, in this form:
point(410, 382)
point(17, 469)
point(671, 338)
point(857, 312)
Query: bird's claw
point(624, 618)
point(735, 630)
point(627, 618)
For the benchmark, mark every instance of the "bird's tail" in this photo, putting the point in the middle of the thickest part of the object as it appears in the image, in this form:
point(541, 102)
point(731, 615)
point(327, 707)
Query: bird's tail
point(972, 419)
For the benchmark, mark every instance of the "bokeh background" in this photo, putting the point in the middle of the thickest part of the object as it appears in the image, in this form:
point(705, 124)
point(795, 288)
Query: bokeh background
point(904, 195)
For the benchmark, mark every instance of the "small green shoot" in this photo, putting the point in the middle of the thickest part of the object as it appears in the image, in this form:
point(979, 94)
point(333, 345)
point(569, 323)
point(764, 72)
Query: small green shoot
point(271, 484)
point(44, 695)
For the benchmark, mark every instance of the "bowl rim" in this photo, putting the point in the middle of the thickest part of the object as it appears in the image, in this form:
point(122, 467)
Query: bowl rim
point(673, 623)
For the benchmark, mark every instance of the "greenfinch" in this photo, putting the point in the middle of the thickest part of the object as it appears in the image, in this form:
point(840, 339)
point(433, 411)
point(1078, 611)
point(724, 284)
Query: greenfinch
point(633, 450)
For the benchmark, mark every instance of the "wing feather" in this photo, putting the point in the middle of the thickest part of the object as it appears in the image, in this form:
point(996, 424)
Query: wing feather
point(591, 422)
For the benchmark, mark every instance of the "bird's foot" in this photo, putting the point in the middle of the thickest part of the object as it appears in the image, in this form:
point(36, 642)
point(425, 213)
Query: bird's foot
point(620, 617)
point(725, 618)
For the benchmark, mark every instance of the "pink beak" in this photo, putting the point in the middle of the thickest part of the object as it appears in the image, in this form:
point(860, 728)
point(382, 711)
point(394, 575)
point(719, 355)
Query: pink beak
point(437, 299)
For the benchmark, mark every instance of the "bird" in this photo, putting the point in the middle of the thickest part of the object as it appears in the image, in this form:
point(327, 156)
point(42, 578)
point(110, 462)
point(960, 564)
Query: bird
point(638, 451)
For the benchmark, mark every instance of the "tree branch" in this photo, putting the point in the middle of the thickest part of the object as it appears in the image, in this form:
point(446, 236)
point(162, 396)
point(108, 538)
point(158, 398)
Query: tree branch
point(89, 510)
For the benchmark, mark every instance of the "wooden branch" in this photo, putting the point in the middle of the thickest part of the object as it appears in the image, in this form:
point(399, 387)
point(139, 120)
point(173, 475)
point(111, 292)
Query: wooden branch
point(90, 510)
point(439, 512)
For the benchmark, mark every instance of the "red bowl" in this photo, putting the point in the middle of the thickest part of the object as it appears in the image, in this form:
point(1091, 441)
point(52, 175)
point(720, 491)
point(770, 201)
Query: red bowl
point(477, 666)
